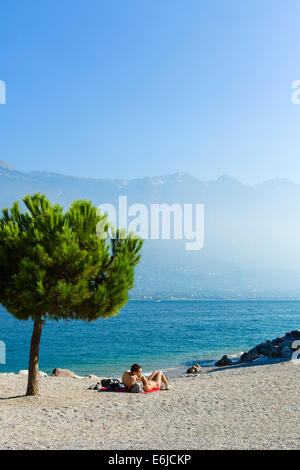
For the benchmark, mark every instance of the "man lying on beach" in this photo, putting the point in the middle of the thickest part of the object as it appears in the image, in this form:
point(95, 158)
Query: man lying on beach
point(136, 382)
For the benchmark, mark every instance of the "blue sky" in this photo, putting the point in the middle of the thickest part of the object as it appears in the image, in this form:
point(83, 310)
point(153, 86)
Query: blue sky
point(131, 88)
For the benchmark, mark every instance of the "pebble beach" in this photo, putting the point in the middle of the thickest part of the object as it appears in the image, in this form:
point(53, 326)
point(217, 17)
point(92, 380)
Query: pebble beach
point(241, 407)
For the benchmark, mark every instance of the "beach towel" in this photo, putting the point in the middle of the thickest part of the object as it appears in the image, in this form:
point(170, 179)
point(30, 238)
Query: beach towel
point(123, 389)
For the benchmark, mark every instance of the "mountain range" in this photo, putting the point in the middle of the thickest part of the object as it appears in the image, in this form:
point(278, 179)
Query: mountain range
point(252, 233)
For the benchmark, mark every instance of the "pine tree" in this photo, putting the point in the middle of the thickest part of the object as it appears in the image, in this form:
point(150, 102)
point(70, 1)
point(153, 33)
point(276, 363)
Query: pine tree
point(54, 265)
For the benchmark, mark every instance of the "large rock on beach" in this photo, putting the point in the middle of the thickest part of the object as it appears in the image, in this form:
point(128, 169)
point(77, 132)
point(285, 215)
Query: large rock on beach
point(295, 334)
point(277, 341)
point(286, 351)
point(195, 369)
point(224, 361)
point(281, 347)
point(274, 352)
point(264, 348)
point(251, 355)
point(63, 373)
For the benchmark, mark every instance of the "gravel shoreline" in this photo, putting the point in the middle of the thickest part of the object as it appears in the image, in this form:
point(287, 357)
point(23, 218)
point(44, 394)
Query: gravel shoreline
point(239, 407)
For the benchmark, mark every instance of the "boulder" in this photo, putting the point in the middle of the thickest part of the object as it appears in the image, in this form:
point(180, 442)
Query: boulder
point(295, 334)
point(250, 355)
point(63, 373)
point(195, 369)
point(286, 351)
point(265, 348)
point(269, 350)
point(275, 352)
point(286, 343)
point(224, 361)
point(277, 341)
point(282, 346)
point(243, 357)
point(265, 352)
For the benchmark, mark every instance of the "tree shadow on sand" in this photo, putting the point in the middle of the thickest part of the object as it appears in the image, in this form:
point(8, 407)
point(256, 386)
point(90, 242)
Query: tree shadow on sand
point(12, 398)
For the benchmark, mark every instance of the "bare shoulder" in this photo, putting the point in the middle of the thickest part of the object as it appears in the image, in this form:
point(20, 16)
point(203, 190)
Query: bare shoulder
point(127, 378)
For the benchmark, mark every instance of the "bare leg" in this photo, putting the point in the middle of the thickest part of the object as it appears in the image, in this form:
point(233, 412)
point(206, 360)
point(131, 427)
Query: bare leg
point(151, 377)
point(159, 377)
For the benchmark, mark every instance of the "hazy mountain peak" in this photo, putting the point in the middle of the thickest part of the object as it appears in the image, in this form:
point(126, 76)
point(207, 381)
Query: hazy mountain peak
point(182, 176)
point(178, 177)
point(227, 178)
point(229, 181)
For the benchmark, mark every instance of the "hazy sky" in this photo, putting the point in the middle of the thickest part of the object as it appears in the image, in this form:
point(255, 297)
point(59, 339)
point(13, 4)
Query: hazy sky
point(128, 88)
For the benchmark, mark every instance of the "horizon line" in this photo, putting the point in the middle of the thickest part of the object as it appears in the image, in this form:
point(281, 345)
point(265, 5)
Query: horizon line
point(178, 174)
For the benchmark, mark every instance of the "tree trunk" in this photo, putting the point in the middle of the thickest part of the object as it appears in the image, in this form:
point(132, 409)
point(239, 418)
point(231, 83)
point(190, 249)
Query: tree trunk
point(33, 370)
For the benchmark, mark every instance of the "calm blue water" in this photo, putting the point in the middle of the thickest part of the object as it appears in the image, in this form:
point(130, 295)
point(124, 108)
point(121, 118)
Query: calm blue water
point(166, 334)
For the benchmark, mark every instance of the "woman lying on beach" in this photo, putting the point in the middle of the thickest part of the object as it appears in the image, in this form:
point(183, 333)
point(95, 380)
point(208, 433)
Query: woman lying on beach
point(136, 382)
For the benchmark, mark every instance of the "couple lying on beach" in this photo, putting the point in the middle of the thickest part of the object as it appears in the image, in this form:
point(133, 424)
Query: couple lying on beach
point(136, 382)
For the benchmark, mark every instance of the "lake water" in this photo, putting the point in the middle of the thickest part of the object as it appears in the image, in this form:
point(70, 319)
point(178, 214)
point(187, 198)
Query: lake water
point(164, 335)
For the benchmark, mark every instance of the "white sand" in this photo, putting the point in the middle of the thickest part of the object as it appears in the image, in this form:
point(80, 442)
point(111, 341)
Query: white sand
point(255, 407)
